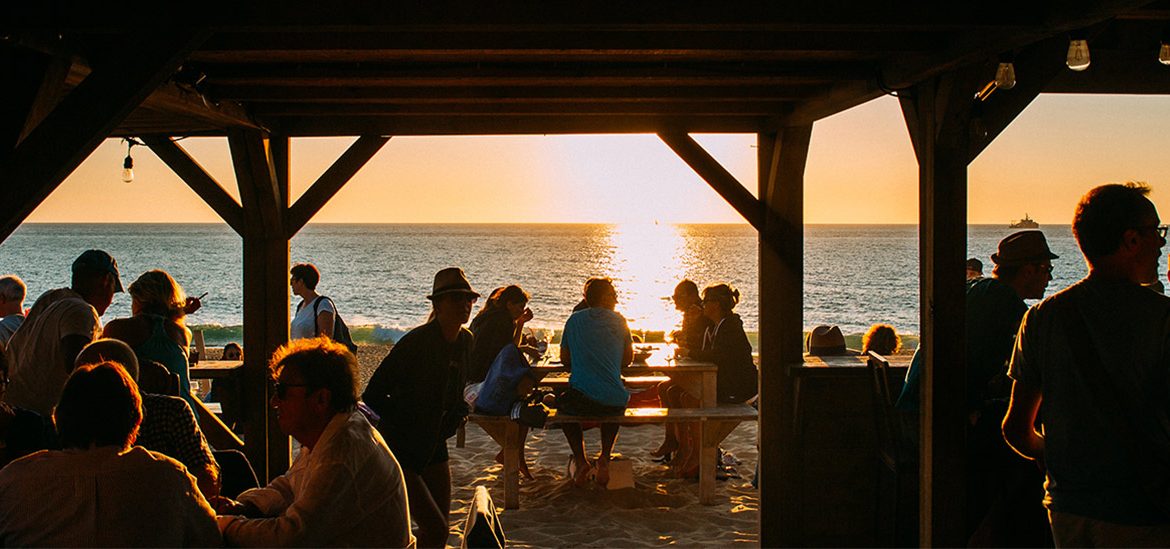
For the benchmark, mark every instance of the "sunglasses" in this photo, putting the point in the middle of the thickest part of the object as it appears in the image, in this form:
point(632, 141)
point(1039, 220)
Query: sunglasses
point(281, 389)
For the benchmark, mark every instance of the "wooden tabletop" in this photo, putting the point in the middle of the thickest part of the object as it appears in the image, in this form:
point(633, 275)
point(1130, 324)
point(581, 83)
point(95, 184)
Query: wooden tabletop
point(212, 369)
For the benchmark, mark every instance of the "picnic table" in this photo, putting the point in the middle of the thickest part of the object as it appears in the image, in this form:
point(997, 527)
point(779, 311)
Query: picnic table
point(697, 378)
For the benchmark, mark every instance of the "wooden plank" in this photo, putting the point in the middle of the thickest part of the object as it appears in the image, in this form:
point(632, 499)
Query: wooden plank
point(421, 94)
point(50, 92)
point(943, 148)
point(332, 180)
point(781, 160)
point(85, 117)
point(525, 124)
point(189, 170)
point(716, 176)
point(760, 107)
point(1004, 106)
point(25, 70)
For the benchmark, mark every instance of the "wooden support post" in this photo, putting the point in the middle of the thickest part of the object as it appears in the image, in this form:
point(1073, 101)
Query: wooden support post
point(85, 117)
point(782, 158)
point(938, 115)
point(266, 264)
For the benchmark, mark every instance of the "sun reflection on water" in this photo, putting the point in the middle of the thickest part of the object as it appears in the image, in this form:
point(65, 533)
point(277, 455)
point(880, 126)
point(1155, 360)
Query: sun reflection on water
point(646, 263)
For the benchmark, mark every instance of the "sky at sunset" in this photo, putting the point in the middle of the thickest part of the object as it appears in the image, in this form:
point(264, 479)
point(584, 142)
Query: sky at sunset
point(861, 169)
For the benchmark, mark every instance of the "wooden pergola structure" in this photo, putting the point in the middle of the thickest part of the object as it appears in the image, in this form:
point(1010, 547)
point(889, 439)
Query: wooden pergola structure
point(261, 73)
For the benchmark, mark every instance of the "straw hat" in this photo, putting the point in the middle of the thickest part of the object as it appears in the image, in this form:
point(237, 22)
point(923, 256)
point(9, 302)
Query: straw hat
point(1022, 248)
point(451, 280)
point(826, 340)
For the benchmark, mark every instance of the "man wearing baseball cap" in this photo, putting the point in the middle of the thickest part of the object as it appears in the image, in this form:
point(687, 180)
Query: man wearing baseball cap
point(418, 392)
point(59, 325)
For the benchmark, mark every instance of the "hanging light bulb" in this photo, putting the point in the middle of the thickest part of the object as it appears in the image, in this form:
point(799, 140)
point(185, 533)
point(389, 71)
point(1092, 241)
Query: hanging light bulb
point(1005, 76)
point(1078, 54)
point(128, 169)
point(1164, 54)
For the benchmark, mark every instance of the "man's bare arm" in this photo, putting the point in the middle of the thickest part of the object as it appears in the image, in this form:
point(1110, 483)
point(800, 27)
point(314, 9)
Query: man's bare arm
point(1019, 425)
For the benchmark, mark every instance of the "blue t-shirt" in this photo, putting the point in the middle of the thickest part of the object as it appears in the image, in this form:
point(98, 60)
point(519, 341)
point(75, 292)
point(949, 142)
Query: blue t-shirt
point(596, 339)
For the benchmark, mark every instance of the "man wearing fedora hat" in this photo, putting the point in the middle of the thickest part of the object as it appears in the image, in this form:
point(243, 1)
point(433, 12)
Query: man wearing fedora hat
point(1095, 355)
point(995, 305)
point(418, 392)
point(60, 323)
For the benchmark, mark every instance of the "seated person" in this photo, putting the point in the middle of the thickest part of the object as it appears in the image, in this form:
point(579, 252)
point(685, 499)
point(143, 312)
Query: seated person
point(232, 351)
point(22, 431)
point(595, 346)
point(345, 487)
point(688, 337)
point(168, 424)
point(827, 341)
point(882, 339)
point(100, 491)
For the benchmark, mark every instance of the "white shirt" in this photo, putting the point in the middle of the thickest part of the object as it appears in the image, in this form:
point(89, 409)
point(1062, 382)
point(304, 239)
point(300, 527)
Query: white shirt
point(102, 497)
point(347, 491)
point(304, 324)
point(36, 357)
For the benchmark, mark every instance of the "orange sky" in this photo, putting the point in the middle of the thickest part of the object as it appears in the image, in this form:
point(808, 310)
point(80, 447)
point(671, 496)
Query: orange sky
point(861, 169)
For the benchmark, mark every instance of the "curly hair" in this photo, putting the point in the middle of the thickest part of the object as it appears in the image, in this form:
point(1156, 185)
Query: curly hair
point(882, 339)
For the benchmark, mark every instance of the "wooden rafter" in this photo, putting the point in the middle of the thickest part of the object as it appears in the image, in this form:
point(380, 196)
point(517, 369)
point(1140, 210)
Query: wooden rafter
point(334, 178)
point(260, 190)
point(716, 175)
point(85, 117)
point(199, 180)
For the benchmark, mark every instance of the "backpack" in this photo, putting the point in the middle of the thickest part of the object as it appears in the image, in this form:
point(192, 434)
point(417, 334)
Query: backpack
point(340, 330)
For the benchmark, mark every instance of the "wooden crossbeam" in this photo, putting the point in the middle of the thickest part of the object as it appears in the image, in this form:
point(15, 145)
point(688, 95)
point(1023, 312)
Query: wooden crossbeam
point(514, 94)
point(768, 107)
point(334, 178)
point(1041, 62)
point(715, 175)
point(199, 180)
point(522, 124)
point(85, 117)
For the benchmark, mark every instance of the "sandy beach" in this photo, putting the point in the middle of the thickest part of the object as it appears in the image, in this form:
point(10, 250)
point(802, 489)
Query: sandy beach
point(657, 511)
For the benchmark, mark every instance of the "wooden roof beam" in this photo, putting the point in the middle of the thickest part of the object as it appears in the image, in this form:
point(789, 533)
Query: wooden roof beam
point(85, 117)
point(517, 125)
point(717, 176)
point(400, 94)
point(270, 15)
point(696, 108)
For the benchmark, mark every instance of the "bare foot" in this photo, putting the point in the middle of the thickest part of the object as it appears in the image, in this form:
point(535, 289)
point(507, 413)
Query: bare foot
point(582, 474)
point(669, 445)
point(602, 475)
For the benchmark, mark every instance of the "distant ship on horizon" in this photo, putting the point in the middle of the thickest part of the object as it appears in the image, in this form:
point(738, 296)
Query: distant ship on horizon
point(1025, 223)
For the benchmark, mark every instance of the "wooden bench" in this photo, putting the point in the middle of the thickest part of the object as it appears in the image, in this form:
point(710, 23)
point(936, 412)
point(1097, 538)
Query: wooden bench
point(717, 422)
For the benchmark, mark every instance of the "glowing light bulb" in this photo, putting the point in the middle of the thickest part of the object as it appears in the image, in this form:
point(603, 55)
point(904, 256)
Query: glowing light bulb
point(1005, 76)
point(1164, 54)
point(128, 169)
point(1078, 55)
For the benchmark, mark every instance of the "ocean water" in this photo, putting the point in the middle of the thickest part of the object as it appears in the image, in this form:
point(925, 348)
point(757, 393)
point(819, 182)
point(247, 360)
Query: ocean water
point(379, 275)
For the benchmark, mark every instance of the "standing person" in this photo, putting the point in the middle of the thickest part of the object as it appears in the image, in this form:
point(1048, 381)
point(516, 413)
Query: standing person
point(101, 490)
point(306, 324)
point(12, 292)
point(345, 488)
point(60, 323)
point(595, 346)
point(1095, 356)
point(1001, 511)
point(156, 329)
point(418, 392)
